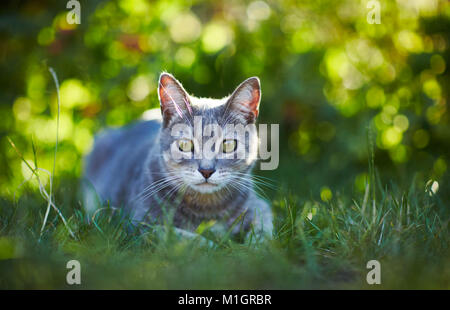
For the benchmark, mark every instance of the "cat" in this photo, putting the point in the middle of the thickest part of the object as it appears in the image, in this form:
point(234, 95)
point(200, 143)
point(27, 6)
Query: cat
point(150, 172)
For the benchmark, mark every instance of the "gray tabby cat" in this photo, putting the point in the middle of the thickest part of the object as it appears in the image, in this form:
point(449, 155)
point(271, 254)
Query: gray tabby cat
point(144, 167)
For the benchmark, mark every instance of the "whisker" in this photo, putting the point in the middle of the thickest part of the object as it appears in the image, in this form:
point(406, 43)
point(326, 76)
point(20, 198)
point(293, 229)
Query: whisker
point(244, 183)
point(257, 176)
point(255, 180)
point(160, 188)
point(155, 186)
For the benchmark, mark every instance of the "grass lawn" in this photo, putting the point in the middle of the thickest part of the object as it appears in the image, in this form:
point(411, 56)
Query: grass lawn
point(316, 244)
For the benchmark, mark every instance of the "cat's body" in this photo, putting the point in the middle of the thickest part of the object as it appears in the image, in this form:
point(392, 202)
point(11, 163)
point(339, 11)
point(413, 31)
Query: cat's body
point(135, 167)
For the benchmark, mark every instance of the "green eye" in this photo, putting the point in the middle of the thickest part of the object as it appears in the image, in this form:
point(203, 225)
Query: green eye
point(229, 146)
point(185, 145)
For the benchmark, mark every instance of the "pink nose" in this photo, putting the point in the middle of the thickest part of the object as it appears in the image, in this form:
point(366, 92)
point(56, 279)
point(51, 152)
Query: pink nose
point(206, 172)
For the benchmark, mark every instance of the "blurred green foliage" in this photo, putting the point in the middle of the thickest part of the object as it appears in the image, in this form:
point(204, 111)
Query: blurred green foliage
point(337, 84)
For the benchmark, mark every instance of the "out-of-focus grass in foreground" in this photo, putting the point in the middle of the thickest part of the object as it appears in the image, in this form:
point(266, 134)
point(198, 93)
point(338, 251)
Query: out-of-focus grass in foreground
point(316, 244)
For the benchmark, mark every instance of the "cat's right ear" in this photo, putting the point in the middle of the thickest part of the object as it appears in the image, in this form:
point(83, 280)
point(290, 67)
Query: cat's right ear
point(173, 99)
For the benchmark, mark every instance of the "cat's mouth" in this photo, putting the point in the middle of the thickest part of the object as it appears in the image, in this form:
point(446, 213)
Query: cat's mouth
point(206, 187)
point(206, 183)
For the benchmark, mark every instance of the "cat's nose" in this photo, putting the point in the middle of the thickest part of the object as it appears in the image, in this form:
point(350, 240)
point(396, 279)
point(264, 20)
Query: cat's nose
point(206, 172)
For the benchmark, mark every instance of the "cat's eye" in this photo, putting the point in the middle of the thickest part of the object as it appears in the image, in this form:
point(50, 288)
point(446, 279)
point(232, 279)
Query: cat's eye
point(229, 145)
point(185, 145)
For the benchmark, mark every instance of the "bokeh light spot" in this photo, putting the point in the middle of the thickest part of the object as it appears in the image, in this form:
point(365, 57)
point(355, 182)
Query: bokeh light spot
point(375, 97)
point(401, 122)
point(185, 57)
point(258, 10)
point(74, 93)
point(185, 28)
point(391, 137)
point(421, 138)
point(216, 36)
point(22, 108)
point(140, 87)
point(437, 64)
point(46, 36)
point(432, 89)
point(326, 194)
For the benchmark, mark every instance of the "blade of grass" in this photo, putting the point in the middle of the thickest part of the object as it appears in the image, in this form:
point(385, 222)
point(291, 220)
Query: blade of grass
point(42, 190)
point(55, 79)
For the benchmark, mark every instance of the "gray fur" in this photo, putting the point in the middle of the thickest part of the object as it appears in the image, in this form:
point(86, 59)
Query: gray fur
point(132, 167)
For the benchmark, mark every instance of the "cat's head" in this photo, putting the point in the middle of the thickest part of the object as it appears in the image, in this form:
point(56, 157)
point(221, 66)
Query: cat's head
point(209, 144)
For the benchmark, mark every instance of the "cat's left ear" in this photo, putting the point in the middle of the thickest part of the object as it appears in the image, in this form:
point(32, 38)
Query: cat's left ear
point(245, 99)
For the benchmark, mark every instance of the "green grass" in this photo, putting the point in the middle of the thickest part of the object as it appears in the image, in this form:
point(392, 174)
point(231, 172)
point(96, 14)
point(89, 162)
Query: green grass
point(316, 244)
